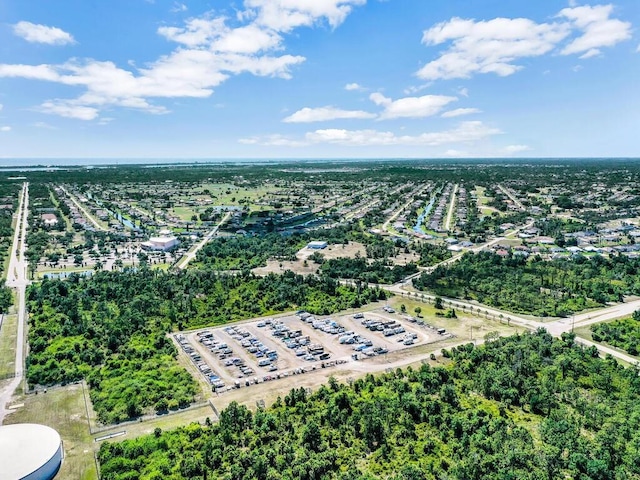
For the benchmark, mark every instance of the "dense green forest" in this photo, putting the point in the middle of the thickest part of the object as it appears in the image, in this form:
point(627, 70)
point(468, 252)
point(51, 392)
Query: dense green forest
point(623, 333)
point(238, 253)
point(111, 328)
point(527, 407)
point(360, 269)
point(431, 254)
point(533, 286)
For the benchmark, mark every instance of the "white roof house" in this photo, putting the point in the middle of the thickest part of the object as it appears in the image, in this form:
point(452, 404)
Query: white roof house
point(49, 219)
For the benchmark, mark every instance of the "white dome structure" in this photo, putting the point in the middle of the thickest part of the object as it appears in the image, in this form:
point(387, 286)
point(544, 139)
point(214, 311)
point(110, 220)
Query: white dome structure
point(29, 452)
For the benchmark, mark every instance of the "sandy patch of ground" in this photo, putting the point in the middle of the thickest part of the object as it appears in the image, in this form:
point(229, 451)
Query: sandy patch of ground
point(332, 251)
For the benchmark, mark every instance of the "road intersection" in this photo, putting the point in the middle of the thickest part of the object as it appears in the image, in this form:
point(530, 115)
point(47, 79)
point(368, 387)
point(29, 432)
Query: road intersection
point(17, 278)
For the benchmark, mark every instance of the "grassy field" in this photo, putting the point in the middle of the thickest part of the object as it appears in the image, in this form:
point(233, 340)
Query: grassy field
point(164, 422)
point(8, 334)
point(64, 410)
point(585, 332)
point(482, 198)
point(185, 213)
point(464, 327)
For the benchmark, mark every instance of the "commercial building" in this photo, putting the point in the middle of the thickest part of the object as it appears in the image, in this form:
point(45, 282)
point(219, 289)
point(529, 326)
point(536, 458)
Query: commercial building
point(163, 243)
point(29, 452)
point(316, 245)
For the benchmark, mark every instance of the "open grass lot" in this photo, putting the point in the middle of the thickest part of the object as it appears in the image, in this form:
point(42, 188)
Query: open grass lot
point(184, 213)
point(164, 422)
point(482, 198)
point(226, 194)
point(8, 334)
point(462, 327)
point(585, 332)
point(64, 410)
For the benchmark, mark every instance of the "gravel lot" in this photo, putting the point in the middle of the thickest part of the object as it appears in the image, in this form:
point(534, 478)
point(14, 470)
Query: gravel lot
point(269, 349)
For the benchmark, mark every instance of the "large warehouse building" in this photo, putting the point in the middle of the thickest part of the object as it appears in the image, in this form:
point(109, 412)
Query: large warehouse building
point(29, 452)
point(163, 243)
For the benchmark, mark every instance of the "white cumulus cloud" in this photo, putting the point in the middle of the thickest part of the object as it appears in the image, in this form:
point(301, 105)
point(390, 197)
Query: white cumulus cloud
point(458, 112)
point(179, 7)
point(285, 15)
point(35, 33)
point(599, 30)
point(5, 129)
point(513, 149)
point(209, 51)
point(465, 132)
point(276, 140)
point(411, 107)
point(323, 114)
point(353, 87)
point(487, 46)
point(68, 110)
point(496, 45)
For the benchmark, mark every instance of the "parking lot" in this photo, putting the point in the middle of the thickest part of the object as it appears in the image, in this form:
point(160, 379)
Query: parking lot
point(266, 349)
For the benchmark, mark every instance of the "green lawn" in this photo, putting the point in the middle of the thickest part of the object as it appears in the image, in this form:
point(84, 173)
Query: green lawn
point(8, 334)
point(64, 410)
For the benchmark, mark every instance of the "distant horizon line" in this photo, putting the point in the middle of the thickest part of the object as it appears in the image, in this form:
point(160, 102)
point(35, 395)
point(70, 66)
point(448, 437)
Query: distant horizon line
point(235, 159)
point(12, 162)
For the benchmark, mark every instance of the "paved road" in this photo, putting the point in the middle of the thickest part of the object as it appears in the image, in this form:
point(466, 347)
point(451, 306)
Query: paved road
point(191, 254)
point(555, 327)
point(597, 316)
point(87, 215)
point(17, 278)
point(412, 195)
point(513, 198)
point(458, 256)
point(452, 204)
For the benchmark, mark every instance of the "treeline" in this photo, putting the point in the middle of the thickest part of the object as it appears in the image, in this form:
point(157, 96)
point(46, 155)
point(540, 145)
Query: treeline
point(530, 285)
point(238, 252)
point(623, 333)
point(557, 227)
point(360, 269)
point(111, 328)
point(431, 254)
point(9, 194)
point(478, 227)
point(526, 407)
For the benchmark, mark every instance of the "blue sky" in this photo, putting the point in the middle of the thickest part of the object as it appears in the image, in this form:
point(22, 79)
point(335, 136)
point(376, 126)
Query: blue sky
point(319, 78)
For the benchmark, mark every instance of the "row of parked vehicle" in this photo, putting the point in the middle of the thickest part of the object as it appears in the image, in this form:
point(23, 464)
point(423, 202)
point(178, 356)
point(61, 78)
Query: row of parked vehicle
point(387, 327)
point(225, 354)
point(422, 323)
point(215, 381)
point(299, 343)
point(266, 357)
